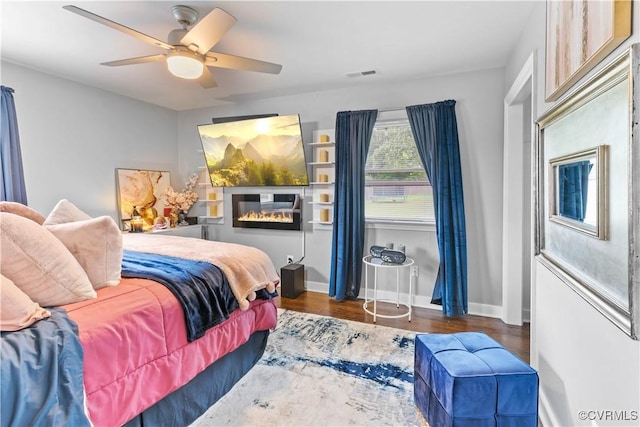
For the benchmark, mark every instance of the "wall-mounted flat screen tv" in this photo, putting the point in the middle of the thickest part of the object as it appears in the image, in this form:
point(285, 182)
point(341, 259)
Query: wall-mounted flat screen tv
point(257, 152)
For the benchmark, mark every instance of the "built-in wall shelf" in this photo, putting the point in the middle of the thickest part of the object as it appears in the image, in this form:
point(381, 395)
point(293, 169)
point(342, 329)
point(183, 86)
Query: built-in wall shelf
point(210, 198)
point(325, 164)
point(323, 168)
point(215, 202)
point(316, 144)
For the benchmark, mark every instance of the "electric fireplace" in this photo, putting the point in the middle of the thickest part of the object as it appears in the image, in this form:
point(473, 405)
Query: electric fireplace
point(271, 211)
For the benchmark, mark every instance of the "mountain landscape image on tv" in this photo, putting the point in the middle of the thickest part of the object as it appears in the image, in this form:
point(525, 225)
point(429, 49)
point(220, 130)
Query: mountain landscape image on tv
point(257, 152)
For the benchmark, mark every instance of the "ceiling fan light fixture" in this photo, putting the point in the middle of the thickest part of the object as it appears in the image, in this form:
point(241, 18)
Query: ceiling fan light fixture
point(185, 65)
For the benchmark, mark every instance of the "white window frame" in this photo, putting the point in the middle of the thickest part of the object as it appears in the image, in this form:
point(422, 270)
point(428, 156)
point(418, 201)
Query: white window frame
point(397, 224)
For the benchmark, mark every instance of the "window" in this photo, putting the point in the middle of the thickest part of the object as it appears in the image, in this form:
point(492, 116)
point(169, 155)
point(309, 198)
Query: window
point(396, 183)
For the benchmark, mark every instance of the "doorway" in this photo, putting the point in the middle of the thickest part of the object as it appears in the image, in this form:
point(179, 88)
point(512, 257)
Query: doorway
point(517, 214)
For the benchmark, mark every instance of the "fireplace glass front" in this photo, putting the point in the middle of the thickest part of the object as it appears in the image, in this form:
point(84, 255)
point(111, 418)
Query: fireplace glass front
point(271, 211)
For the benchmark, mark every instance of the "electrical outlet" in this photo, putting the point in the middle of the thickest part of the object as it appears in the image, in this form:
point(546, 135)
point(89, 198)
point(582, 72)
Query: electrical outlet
point(414, 271)
point(289, 259)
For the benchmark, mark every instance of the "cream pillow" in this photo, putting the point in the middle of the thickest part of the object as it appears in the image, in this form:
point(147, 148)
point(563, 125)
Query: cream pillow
point(17, 311)
point(39, 264)
point(97, 245)
point(22, 210)
point(65, 211)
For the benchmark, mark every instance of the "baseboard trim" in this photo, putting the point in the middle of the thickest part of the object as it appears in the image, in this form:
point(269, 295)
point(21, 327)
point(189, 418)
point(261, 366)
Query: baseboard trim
point(545, 414)
point(317, 286)
point(421, 301)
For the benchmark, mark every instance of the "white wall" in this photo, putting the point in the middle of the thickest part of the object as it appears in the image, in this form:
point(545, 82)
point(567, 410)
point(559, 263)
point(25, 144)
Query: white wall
point(73, 137)
point(585, 363)
point(479, 113)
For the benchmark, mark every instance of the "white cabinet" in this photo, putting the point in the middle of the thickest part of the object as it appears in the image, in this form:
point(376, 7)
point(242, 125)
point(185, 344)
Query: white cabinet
point(212, 198)
point(198, 231)
point(323, 177)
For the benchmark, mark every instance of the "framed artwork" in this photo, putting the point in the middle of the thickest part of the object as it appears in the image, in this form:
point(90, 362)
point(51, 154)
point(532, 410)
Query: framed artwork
point(143, 189)
point(580, 34)
point(587, 191)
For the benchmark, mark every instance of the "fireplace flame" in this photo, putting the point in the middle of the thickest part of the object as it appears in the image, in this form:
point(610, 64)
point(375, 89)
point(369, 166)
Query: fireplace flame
point(267, 217)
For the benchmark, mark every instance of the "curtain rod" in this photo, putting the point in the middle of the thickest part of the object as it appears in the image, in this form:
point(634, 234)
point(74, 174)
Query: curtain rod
point(386, 110)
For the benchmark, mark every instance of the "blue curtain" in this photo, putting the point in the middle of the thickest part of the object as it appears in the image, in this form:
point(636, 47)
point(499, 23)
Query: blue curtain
point(435, 131)
point(353, 135)
point(573, 183)
point(12, 188)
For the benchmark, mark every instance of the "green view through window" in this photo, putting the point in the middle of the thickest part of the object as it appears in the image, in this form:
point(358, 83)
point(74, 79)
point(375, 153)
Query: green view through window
point(396, 183)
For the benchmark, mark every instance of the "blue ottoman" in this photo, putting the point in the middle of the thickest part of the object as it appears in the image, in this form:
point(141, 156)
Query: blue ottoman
point(468, 379)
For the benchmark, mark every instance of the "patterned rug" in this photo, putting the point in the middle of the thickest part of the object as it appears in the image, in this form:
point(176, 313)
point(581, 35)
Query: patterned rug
point(321, 371)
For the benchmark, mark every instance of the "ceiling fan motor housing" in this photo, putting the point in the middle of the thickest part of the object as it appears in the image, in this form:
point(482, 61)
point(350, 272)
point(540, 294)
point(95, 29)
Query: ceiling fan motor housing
point(184, 15)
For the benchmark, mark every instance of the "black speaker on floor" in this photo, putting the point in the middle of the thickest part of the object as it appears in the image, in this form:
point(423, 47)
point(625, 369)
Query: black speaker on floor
point(292, 280)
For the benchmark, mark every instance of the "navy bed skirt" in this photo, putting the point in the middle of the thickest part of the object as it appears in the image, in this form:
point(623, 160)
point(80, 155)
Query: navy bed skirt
point(185, 405)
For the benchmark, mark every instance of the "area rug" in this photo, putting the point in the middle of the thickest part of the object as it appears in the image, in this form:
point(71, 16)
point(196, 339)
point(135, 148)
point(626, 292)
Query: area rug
point(321, 371)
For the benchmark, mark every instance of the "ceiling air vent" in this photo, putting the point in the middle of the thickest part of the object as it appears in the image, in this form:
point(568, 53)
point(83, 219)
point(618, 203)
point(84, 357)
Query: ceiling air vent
point(362, 73)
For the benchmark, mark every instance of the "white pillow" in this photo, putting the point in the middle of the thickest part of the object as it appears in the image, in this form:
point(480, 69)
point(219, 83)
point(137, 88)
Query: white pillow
point(39, 264)
point(97, 245)
point(17, 311)
point(65, 211)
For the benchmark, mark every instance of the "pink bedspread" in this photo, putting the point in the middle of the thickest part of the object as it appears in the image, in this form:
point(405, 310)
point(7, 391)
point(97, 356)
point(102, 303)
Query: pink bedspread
point(136, 350)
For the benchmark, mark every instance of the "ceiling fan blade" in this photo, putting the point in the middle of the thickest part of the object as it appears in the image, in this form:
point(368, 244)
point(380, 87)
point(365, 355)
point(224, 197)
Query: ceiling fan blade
point(209, 30)
point(138, 60)
point(116, 26)
point(222, 60)
point(206, 80)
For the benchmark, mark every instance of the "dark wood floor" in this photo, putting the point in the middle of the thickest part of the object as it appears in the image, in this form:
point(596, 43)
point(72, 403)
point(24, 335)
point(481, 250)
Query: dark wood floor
point(514, 338)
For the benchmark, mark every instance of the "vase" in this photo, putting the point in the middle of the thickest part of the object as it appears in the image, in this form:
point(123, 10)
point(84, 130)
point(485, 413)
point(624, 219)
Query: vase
point(182, 218)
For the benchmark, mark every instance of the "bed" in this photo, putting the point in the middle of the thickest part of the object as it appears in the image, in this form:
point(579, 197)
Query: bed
point(130, 355)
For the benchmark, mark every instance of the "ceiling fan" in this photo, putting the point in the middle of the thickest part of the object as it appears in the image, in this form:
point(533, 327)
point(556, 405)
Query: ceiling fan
point(189, 56)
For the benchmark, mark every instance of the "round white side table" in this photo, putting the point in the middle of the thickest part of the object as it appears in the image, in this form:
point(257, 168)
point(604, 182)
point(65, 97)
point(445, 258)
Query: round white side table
point(377, 264)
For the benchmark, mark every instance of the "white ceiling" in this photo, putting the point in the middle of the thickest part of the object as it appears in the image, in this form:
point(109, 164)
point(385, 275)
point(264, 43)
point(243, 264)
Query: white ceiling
point(317, 43)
